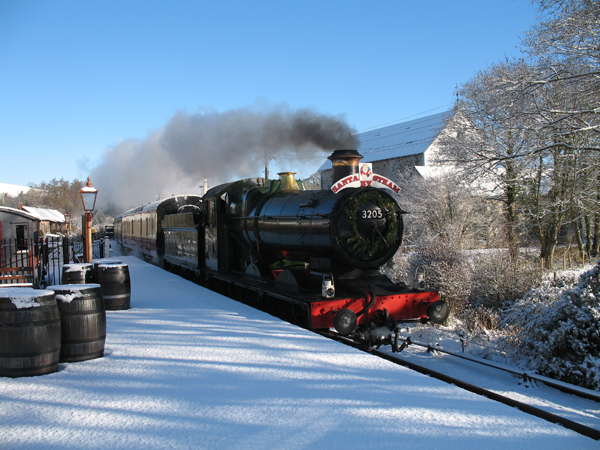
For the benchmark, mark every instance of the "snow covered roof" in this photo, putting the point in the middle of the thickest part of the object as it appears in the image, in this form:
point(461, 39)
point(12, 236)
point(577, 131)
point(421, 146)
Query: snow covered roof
point(402, 139)
point(169, 203)
point(12, 189)
point(19, 212)
point(48, 215)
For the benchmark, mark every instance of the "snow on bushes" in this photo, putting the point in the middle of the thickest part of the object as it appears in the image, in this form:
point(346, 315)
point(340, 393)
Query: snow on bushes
point(473, 280)
point(498, 281)
point(446, 269)
point(557, 330)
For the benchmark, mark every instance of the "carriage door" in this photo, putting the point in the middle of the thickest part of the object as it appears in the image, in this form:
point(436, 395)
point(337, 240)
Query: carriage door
point(210, 236)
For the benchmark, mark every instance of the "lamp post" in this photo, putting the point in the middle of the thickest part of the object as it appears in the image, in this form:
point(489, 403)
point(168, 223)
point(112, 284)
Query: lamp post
point(88, 198)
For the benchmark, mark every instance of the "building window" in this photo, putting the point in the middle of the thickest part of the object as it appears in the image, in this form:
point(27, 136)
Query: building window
point(21, 233)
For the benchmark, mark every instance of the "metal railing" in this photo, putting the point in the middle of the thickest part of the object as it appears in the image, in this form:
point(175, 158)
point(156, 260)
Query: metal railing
point(19, 262)
point(41, 263)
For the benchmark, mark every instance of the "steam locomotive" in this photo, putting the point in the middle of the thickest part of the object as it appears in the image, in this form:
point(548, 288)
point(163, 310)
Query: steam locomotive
point(309, 256)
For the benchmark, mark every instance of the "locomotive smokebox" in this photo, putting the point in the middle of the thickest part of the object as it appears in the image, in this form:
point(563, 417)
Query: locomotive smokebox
point(344, 162)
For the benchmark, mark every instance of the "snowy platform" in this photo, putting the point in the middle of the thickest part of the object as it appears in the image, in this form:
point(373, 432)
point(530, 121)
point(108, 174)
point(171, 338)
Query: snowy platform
point(188, 368)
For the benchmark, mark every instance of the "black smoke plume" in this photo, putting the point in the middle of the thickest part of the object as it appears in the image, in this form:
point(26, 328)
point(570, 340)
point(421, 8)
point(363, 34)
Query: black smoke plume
point(219, 146)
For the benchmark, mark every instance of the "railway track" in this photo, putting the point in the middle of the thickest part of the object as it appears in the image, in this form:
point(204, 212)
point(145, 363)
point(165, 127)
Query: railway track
point(525, 406)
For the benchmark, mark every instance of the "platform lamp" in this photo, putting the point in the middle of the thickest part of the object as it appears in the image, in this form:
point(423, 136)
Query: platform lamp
point(88, 198)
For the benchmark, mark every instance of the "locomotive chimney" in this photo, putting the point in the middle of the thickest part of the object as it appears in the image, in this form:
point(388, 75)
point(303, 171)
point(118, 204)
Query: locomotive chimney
point(344, 162)
point(288, 181)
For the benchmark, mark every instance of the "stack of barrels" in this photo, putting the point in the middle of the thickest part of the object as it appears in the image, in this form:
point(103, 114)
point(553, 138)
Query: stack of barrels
point(63, 323)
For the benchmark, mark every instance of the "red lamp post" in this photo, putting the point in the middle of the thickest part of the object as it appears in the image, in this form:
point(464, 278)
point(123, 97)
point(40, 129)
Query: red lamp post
point(88, 198)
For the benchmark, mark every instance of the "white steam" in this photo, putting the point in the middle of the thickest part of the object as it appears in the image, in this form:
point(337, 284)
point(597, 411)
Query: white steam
point(219, 146)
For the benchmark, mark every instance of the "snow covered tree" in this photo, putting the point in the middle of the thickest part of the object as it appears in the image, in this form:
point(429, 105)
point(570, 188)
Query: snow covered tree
point(491, 140)
point(565, 50)
point(534, 125)
point(445, 217)
point(447, 207)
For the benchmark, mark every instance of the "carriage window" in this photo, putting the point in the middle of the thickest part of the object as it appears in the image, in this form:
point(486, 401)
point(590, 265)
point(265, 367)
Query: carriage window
point(212, 216)
point(225, 203)
point(20, 237)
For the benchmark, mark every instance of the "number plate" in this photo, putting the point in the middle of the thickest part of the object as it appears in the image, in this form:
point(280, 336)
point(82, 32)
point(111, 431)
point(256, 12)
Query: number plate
point(371, 214)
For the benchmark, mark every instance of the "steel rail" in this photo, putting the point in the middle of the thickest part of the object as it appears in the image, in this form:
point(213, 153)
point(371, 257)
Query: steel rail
point(561, 386)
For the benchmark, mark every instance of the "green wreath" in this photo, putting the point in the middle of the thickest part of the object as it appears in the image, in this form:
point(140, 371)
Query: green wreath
point(369, 246)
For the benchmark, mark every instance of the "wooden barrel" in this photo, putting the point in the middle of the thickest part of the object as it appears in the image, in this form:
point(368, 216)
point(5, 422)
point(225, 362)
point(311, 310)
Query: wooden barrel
point(77, 273)
point(98, 262)
point(82, 321)
point(29, 332)
point(116, 286)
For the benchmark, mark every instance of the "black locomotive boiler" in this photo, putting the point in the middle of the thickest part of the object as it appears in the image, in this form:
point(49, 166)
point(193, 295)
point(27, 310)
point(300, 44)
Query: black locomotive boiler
point(311, 256)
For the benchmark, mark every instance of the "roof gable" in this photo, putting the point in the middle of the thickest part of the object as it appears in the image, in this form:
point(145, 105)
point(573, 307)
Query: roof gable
point(17, 212)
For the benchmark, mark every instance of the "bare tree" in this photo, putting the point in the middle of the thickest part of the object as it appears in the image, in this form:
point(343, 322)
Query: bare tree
point(564, 48)
point(535, 126)
point(61, 195)
point(490, 139)
point(447, 207)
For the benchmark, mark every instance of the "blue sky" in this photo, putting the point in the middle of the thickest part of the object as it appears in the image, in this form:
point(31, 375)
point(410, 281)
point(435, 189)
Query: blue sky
point(79, 77)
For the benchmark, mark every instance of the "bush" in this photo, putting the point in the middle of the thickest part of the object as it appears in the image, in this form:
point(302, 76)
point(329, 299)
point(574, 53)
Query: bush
point(558, 330)
point(479, 320)
point(446, 270)
point(498, 281)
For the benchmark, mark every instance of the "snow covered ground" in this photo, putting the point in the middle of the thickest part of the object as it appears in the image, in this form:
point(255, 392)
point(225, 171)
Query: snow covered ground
point(189, 368)
point(530, 391)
